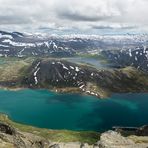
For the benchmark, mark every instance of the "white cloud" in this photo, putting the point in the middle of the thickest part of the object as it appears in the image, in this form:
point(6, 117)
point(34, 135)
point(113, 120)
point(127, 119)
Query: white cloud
point(81, 15)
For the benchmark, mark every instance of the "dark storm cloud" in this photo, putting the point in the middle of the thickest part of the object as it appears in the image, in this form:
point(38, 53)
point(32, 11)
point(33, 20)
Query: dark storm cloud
point(80, 17)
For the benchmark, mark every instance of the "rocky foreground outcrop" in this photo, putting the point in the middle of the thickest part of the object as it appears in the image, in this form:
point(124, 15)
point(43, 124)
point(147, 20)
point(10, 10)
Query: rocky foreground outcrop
point(11, 137)
point(112, 139)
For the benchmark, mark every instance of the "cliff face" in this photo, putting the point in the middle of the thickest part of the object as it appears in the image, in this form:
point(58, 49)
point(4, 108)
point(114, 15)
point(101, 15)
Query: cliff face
point(10, 137)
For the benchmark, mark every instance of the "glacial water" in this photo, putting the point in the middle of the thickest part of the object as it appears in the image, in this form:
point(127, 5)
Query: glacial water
point(96, 63)
point(46, 109)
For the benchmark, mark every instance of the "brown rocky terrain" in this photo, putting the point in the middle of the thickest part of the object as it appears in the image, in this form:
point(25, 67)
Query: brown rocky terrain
point(14, 138)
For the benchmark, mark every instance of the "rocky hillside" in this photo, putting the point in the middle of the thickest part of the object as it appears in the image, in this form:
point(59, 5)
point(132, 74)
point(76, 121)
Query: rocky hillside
point(14, 135)
point(136, 57)
point(61, 75)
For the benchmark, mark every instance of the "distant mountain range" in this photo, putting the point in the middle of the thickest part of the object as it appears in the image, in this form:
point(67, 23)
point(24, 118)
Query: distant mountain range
point(20, 45)
point(121, 50)
point(127, 55)
point(137, 57)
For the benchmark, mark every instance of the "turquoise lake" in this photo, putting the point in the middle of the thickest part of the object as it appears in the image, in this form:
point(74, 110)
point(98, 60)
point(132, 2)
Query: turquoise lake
point(46, 109)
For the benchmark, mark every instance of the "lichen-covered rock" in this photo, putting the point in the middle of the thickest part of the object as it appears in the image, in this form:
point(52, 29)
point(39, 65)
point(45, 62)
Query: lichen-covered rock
point(113, 139)
point(10, 137)
point(71, 145)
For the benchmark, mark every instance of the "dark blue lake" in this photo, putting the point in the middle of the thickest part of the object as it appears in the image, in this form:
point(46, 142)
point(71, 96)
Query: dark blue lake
point(46, 109)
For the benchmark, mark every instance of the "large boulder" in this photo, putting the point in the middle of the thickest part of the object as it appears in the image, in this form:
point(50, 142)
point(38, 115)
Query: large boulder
point(112, 139)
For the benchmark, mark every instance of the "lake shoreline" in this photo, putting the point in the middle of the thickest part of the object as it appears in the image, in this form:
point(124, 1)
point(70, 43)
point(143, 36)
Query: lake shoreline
point(76, 109)
point(47, 132)
point(28, 136)
point(67, 90)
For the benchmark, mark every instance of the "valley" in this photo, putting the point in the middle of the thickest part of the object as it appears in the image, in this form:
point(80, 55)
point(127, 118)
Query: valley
point(73, 74)
point(88, 84)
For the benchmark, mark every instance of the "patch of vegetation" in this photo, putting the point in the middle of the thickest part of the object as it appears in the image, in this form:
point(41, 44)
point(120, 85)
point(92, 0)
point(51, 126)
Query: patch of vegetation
point(139, 77)
point(12, 68)
point(89, 137)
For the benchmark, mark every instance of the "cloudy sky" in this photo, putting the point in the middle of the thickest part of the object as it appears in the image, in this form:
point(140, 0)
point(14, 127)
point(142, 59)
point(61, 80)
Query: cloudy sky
point(74, 16)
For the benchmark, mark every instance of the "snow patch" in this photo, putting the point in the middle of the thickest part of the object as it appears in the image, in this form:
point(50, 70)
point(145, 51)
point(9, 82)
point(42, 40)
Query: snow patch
point(92, 74)
point(35, 73)
point(6, 36)
point(130, 52)
point(65, 67)
point(3, 45)
point(136, 58)
point(81, 86)
point(77, 69)
point(71, 67)
point(35, 76)
point(18, 43)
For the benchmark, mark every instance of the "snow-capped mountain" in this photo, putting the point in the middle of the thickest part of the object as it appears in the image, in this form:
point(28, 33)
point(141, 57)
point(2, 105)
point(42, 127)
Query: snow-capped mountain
point(22, 45)
point(136, 57)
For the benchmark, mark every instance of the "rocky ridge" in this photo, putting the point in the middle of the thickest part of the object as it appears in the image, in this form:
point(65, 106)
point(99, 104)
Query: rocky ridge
point(15, 44)
point(14, 138)
point(136, 57)
point(60, 74)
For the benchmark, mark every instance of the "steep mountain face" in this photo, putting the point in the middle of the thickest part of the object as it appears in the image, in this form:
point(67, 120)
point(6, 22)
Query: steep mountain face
point(137, 57)
point(50, 73)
